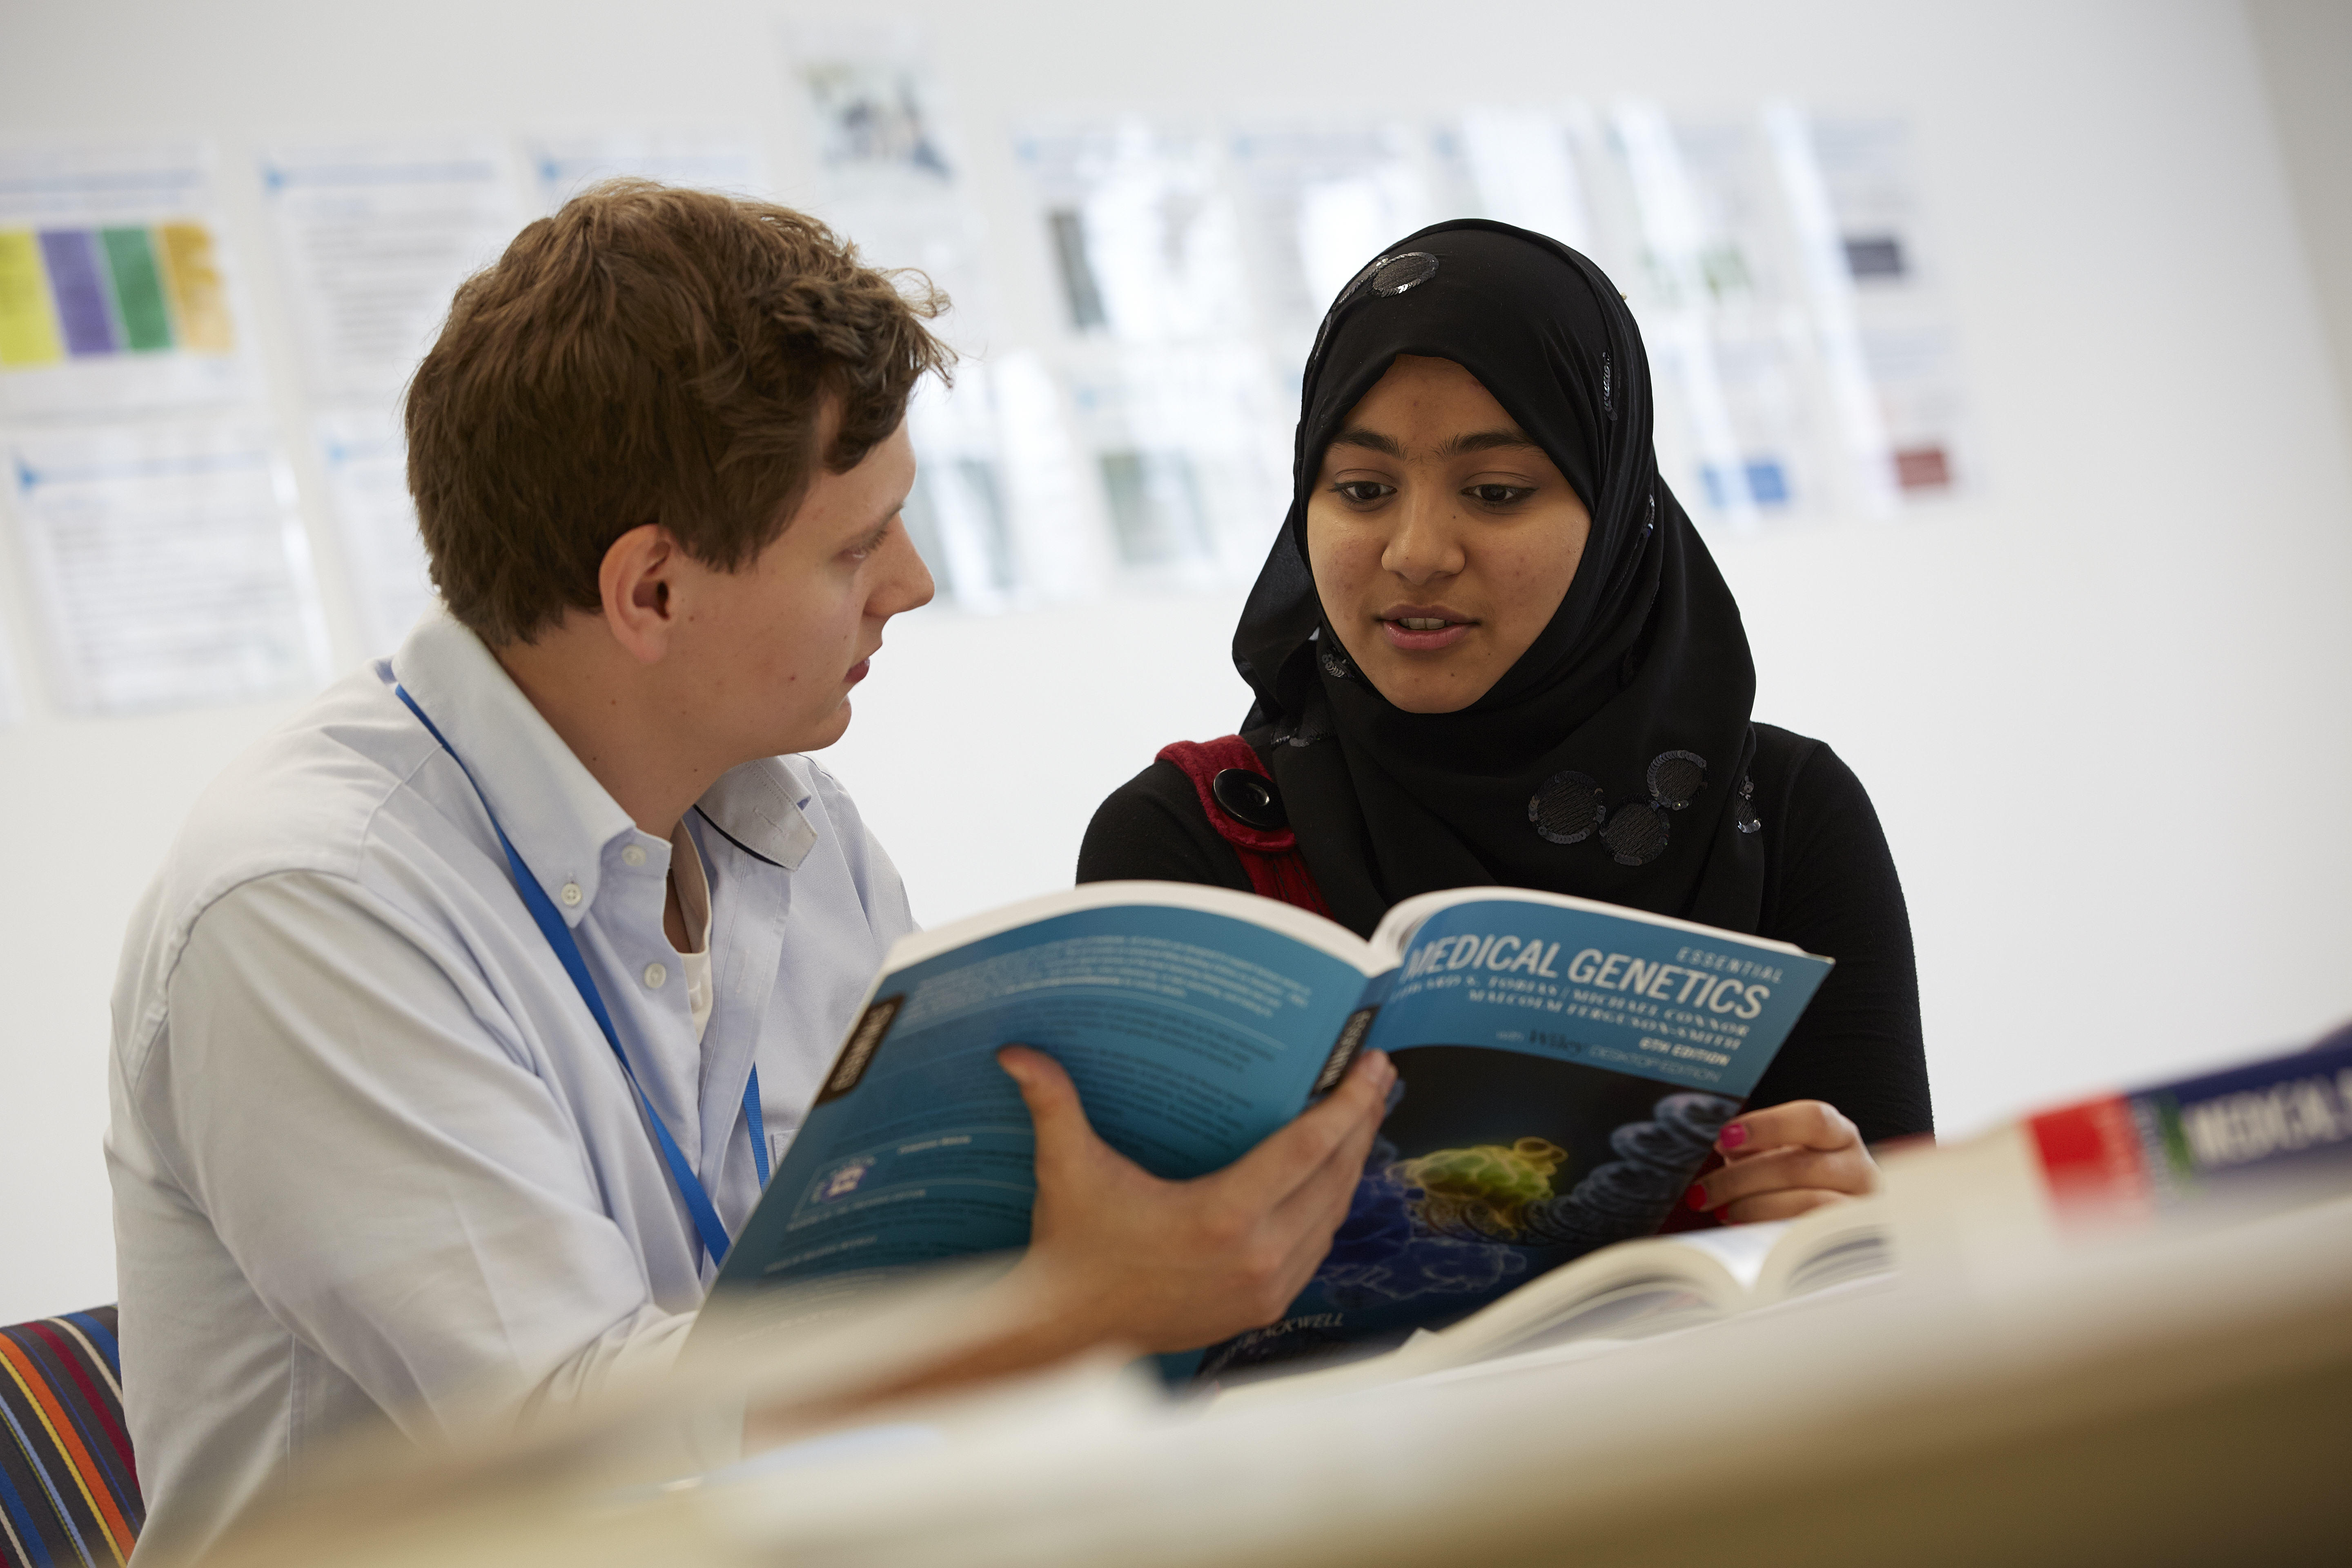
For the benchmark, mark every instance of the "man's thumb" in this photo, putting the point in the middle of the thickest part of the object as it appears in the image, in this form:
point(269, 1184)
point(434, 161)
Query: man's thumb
point(1051, 1097)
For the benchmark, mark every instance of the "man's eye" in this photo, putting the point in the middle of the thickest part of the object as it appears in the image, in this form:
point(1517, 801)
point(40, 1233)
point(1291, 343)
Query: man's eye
point(1500, 495)
point(1364, 491)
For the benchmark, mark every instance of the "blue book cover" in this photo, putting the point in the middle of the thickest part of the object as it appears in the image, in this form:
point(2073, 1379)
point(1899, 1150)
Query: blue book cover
point(1564, 1066)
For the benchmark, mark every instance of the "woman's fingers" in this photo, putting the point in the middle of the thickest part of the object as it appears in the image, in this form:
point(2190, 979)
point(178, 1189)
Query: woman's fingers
point(1807, 1123)
point(1847, 1171)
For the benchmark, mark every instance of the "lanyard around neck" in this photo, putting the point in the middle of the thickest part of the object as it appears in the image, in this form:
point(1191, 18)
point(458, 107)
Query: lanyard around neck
point(567, 951)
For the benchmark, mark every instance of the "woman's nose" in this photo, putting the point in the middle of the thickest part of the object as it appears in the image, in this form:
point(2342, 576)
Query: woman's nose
point(1426, 544)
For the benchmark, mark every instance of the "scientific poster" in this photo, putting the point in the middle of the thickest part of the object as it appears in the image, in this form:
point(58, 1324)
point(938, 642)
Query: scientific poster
point(1887, 342)
point(168, 564)
point(1319, 198)
point(889, 179)
point(1707, 269)
point(1174, 400)
point(115, 286)
point(996, 511)
point(1518, 165)
point(563, 166)
point(12, 695)
point(366, 464)
point(373, 238)
point(1145, 241)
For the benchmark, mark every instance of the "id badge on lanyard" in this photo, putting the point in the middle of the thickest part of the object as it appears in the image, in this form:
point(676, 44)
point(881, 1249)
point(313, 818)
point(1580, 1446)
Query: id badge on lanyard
point(544, 913)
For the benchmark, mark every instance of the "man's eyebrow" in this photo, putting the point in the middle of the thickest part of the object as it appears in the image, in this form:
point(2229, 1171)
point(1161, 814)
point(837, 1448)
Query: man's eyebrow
point(1372, 440)
point(1485, 441)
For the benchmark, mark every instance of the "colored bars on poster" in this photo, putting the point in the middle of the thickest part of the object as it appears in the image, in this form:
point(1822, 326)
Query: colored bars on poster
point(28, 330)
point(84, 292)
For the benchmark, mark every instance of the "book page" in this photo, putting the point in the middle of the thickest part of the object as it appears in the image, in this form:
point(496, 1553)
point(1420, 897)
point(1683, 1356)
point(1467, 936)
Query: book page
point(1190, 1035)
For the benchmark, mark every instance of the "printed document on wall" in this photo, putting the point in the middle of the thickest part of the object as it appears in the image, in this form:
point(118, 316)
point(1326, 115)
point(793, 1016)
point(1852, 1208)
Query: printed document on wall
point(563, 166)
point(12, 695)
point(367, 482)
point(168, 563)
point(891, 182)
point(1885, 342)
point(1725, 321)
point(1318, 199)
point(115, 286)
point(1167, 375)
point(375, 238)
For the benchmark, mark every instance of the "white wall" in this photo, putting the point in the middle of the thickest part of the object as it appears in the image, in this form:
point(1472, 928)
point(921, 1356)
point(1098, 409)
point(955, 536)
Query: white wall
point(2100, 705)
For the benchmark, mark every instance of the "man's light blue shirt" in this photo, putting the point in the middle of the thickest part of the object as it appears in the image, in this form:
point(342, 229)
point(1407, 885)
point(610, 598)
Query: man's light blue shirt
point(372, 1158)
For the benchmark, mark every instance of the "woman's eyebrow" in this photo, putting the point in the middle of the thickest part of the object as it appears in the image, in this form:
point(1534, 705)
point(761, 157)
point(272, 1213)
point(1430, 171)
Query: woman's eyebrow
point(1483, 441)
point(1358, 436)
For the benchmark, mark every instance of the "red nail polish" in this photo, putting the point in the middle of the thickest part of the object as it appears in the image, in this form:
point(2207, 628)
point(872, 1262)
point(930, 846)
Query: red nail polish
point(1731, 1138)
point(1697, 1196)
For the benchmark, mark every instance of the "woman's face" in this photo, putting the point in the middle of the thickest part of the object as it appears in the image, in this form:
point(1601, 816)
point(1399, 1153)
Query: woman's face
point(1441, 537)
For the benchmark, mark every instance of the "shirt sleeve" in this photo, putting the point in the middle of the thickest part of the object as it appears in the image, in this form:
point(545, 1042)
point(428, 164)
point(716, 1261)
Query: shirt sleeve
point(347, 1104)
point(1151, 828)
point(1835, 893)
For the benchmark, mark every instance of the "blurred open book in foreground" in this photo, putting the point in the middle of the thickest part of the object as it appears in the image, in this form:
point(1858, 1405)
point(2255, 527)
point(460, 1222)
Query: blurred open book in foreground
point(2044, 1380)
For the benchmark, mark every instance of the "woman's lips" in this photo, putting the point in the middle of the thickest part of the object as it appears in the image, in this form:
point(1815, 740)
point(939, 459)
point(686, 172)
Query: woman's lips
point(1424, 637)
point(860, 670)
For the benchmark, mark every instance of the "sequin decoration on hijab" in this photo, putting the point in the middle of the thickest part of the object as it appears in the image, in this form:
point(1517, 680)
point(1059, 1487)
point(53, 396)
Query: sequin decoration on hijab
point(1610, 760)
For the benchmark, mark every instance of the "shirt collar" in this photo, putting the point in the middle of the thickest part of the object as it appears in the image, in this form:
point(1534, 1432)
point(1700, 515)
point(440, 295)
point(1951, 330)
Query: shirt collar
point(559, 818)
point(758, 807)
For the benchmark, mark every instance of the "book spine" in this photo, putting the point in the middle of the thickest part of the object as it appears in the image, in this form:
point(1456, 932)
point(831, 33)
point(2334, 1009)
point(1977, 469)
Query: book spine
point(2287, 1119)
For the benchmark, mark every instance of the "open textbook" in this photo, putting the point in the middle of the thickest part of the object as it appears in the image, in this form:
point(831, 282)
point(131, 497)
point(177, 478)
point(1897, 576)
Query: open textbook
point(1635, 1290)
point(1564, 1067)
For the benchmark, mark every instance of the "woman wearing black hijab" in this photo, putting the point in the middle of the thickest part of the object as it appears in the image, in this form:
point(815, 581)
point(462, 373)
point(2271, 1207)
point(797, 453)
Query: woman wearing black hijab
point(1489, 647)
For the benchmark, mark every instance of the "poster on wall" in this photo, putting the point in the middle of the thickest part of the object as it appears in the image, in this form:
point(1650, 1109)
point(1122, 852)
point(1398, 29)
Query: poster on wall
point(373, 238)
point(12, 695)
point(1704, 260)
point(1174, 402)
point(887, 176)
point(366, 464)
point(561, 166)
point(1886, 342)
point(1518, 165)
point(168, 563)
point(996, 511)
point(115, 284)
point(1319, 197)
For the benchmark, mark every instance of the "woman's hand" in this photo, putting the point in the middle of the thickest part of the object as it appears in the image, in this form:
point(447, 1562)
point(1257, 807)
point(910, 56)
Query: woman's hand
point(1781, 1161)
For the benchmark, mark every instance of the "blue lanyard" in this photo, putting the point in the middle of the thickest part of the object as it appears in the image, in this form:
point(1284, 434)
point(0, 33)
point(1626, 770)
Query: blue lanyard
point(567, 951)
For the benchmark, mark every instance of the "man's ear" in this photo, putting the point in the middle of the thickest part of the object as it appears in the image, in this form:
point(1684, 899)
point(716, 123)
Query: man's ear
point(634, 583)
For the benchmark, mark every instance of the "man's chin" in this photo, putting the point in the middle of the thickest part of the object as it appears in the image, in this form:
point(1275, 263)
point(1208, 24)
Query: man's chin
point(818, 734)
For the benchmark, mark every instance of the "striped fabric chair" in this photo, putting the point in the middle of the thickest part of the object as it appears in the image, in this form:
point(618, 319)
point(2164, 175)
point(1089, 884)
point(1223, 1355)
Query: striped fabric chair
point(68, 1496)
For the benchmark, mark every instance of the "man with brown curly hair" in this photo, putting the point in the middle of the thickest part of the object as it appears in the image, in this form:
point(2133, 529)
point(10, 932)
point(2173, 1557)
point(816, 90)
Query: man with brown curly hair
point(372, 1162)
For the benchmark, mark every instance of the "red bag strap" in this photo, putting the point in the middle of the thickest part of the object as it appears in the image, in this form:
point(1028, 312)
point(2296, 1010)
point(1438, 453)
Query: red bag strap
point(1270, 855)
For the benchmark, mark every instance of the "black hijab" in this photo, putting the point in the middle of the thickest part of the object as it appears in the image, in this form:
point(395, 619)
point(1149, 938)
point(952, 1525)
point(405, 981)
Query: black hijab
point(1612, 760)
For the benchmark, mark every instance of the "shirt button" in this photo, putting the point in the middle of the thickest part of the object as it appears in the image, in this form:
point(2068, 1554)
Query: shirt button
point(572, 892)
point(657, 975)
point(633, 855)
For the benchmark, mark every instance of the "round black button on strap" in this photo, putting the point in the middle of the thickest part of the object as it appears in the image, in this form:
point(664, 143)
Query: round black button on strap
point(1249, 798)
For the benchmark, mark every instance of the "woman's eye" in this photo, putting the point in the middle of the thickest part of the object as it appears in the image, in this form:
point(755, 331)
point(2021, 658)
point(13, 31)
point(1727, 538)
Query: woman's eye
point(1364, 491)
point(1500, 495)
